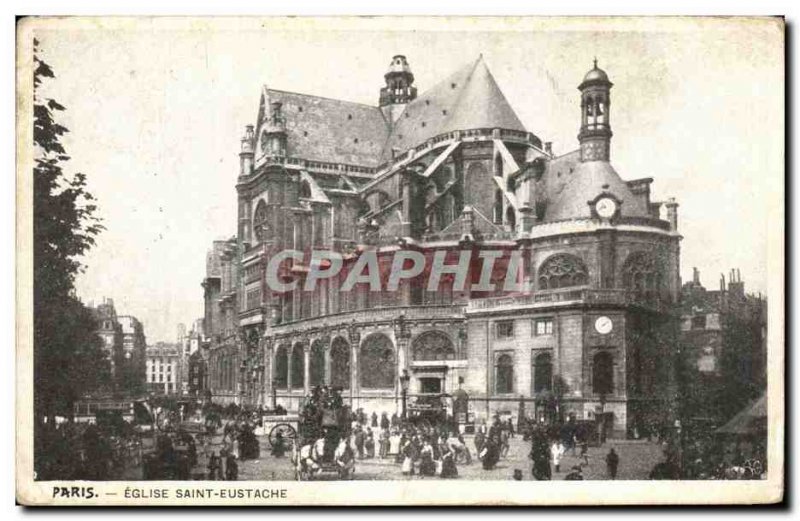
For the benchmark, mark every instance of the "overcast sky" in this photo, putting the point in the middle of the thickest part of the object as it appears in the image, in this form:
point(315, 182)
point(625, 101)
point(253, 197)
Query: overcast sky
point(156, 114)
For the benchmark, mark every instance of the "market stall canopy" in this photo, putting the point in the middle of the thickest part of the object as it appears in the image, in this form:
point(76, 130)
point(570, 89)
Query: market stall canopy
point(751, 420)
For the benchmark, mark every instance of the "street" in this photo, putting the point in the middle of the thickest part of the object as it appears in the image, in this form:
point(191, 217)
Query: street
point(636, 460)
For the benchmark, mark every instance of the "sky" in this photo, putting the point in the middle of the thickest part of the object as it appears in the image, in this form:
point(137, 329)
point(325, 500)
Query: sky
point(156, 111)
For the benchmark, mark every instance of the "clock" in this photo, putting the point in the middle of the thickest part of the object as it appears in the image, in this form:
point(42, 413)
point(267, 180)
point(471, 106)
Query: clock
point(606, 207)
point(603, 325)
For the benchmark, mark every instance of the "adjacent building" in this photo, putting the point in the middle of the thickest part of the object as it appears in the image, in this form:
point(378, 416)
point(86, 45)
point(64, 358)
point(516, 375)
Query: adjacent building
point(588, 328)
point(723, 336)
point(164, 366)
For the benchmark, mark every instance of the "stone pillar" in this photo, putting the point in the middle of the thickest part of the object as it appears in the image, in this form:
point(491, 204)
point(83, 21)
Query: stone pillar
point(268, 362)
point(407, 189)
point(327, 370)
point(528, 218)
point(289, 364)
point(355, 346)
point(306, 368)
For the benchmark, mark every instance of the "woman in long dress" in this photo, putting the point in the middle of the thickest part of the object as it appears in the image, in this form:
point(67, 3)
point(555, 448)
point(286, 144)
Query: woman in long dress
point(449, 469)
point(407, 453)
point(427, 467)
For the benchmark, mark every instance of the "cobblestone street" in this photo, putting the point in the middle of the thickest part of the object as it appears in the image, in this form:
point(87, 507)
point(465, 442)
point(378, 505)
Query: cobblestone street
point(636, 461)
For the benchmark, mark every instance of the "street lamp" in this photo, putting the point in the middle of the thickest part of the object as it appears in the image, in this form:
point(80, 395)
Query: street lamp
point(274, 395)
point(404, 379)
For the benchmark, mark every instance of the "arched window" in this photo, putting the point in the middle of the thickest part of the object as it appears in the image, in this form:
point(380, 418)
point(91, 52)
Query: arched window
point(542, 373)
point(498, 206)
point(261, 222)
point(498, 165)
point(281, 367)
point(562, 271)
point(376, 363)
point(340, 363)
point(504, 374)
point(433, 345)
point(640, 274)
point(298, 367)
point(305, 190)
point(603, 373)
point(316, 370)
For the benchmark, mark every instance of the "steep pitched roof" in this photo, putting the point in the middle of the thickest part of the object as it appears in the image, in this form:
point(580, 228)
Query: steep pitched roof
point(469, 98)
point(329, 130)
point(584, 181)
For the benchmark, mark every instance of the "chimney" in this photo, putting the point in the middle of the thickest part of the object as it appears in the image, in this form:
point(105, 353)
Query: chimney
point(672, 214)
point(548, 148)
point(722, 282)
point(696, 276)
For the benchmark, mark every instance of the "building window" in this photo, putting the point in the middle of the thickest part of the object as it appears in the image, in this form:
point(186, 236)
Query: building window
point(640, 274)
point(504, 329)
point(260, 222)
point(433, 345)
point(376, 363)
point(316, 370)
point(603, 373)
point(542, 373)
point(298, 367)
point(504, 375)
point(543, 326)
point(281, 367)
point(699, 322)
point(562, 271)
point(340, 364)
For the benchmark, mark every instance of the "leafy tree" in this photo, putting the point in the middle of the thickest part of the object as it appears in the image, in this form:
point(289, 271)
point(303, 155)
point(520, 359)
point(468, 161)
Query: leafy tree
point(68, 357)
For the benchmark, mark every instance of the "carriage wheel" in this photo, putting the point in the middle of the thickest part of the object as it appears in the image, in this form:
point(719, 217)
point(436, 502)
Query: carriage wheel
point(287, 433)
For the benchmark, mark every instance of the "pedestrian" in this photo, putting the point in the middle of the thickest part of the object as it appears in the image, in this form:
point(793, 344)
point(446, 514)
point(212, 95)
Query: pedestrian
point(407, 453)
point(383, 443)
point(510, 428)
point(612, 462)
point(479, 441)
point(359, 439)
point(490, 454)
point(585, 451)
point(557, 452)
point(575, 474)
point(369, 443)
point(213, 467)
point(374, 422)
point(278, 448)
point(427, 467)
point(385, 422)
point(231, 468)
point(449, 469)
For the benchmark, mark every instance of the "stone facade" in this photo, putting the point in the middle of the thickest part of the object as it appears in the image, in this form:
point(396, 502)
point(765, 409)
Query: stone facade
point(586, 327)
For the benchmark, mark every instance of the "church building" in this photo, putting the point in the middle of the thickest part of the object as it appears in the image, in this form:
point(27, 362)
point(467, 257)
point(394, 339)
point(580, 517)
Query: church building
point(586, 332)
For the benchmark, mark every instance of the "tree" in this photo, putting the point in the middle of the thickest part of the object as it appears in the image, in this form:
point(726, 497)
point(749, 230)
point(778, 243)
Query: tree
point(68, 356)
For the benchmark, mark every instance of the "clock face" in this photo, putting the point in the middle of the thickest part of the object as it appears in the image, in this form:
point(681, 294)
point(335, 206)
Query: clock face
point(603, 325)
point(606, 207)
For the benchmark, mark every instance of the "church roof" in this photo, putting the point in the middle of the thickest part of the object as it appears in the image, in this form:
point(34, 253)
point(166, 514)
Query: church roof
point(582, 182)
point(337, 131)
point(469, 98)
point(329, 130)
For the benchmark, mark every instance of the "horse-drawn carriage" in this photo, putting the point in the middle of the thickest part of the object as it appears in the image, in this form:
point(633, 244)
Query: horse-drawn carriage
point(322, 443)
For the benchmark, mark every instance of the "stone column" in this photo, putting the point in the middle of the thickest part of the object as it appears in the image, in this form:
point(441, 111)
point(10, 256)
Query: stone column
point(327, 371)
point(355, 345)
point(289, 364)
point(268, 361)
point(306, 368)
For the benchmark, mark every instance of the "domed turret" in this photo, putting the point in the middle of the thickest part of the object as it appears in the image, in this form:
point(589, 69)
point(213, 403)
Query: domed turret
point(595, 134)
point(399, 80)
